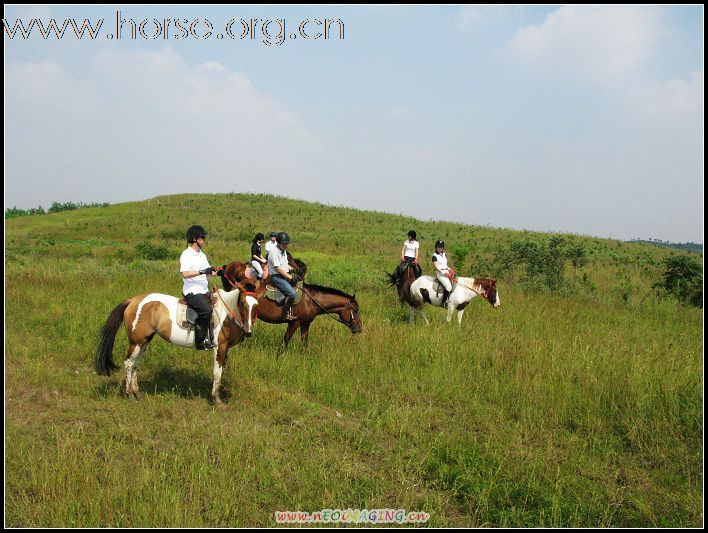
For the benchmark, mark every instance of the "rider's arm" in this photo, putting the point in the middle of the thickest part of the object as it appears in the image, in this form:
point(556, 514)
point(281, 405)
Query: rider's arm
point(416, 255)
point(403, 252)
point(284, 273)
point(194, 273)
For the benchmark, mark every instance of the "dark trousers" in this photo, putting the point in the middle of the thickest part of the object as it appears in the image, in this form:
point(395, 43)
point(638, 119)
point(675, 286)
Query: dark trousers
point(201, 303)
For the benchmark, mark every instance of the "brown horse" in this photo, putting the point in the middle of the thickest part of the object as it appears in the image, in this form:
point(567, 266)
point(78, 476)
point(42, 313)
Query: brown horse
point(316, 300)
point(402, 278)
point(147, 314)
point(238, 271)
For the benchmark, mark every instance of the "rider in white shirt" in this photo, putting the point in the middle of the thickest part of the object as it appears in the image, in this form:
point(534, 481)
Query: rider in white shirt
point(442, 271)
point(194, 266)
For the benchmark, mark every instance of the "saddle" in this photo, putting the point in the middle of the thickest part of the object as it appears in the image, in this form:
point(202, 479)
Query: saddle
point(186, 316)
point(272, 293)
point(405, 265)
point(250, 272)
point(438, 287)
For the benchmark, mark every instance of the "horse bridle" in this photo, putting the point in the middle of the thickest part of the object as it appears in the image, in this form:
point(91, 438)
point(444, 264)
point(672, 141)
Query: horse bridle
point(350, 306)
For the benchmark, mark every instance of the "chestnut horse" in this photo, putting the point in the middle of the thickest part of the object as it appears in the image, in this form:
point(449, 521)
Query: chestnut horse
point(147, 314)
point(238, 271)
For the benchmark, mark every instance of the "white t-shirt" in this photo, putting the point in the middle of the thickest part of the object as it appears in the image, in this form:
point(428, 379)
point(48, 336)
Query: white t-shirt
point(410, 248)
point(270, 245)
point(194, 261)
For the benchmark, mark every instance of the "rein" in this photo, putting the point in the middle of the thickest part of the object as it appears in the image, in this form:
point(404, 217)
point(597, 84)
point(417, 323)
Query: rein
point(484, 294)
point(329, 313)
point(233, 315)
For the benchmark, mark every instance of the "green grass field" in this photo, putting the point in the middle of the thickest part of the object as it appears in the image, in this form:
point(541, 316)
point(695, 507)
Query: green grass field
point(576, 408)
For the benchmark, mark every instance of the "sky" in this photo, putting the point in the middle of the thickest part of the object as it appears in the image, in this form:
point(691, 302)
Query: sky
point(586, 120)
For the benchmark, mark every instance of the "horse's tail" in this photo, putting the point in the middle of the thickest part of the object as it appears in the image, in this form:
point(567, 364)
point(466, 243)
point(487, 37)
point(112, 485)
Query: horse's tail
point(392, 278)
point(104, 353)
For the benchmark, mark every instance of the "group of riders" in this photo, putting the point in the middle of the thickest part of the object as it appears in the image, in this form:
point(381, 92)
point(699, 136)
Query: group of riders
point(409, 258)
point(195, 268)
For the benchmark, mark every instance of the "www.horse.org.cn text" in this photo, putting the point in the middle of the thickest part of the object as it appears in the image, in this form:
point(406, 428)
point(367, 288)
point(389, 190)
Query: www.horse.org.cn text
point(270, 31)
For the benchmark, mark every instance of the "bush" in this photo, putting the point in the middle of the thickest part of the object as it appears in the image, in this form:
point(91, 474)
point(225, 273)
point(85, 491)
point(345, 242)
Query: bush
point(683, 279)
point(153, 252)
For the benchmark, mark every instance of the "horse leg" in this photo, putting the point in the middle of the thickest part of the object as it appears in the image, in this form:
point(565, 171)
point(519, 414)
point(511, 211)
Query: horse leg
point(132, 360)
point(450, 309)
point(411, 319)
point(292, 326)
point(422, 313)
point(304, 333)
point(221, 353)
point(459, 316)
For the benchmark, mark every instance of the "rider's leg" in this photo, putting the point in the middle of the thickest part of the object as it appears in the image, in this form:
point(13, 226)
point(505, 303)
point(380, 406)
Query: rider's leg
point(201, 303)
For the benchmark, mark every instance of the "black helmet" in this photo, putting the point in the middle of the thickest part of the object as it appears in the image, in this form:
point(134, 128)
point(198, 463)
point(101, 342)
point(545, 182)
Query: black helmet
point(439, 244)
point(412, 234)
point(282, 238)
point(273, 234)
point(258, 237)
point(195, 232)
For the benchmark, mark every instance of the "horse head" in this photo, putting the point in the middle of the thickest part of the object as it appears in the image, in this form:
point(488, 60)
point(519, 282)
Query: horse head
point(350, 315)
point(247, 304)
point(491, 293)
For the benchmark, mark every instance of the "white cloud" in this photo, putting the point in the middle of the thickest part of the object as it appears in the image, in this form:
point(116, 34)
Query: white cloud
point(144, 124)
point(606, 44)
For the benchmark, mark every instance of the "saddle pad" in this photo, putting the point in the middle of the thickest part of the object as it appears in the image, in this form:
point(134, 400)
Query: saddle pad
point(278, 297)
point(186, 316)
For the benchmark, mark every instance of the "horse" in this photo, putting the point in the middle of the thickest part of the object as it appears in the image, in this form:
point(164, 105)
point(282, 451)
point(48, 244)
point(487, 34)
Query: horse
point(402, 278)
point(316, 300)
point(427, 289)
point(147, 314)
point(238, 271)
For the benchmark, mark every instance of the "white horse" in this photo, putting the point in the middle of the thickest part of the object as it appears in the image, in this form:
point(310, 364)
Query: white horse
point(428, 289)
point(145, 315)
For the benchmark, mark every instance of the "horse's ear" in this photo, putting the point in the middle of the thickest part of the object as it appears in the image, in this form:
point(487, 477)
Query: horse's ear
point(238, 286)
point(353, 297)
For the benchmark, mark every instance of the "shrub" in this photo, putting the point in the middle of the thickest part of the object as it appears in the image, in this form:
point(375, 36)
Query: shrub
point(153, 252)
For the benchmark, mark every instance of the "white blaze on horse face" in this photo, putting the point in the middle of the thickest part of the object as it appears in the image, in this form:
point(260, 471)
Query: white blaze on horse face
point(252, 303)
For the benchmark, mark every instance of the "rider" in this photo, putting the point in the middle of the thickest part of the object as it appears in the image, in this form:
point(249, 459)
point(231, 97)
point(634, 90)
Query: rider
point(257, 259)
point(280, 275)
point(442, 271)
point(194, 265)
point(409, 253)
point(271, 243)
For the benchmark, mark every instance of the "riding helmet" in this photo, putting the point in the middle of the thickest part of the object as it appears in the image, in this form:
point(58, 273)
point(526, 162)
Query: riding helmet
point(412, 234)
point(439, 244)
point(273, 234)
point(258, 237)
point(282, 238)
point(195, 232)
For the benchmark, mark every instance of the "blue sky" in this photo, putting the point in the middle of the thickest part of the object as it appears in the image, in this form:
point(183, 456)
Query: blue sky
point(577, 119)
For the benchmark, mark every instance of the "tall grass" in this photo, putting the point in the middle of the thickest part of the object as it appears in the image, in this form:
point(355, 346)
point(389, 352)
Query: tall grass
point(577, 410)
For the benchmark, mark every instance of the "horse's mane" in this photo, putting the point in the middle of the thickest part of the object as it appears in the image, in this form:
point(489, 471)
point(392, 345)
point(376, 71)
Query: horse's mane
point(328, 290)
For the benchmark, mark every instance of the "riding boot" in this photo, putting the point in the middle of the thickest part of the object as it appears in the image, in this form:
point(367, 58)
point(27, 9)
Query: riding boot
point(446, 294)
point(288, 309)
point(202, 335)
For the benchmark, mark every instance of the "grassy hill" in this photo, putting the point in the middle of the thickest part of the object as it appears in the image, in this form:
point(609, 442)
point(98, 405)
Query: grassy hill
point(579, 405)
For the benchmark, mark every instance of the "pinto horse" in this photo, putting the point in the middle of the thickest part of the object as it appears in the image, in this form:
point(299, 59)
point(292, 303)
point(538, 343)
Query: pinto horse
point(147, 314)
point(238, 271)
point(316, 300)
point(426, 289)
